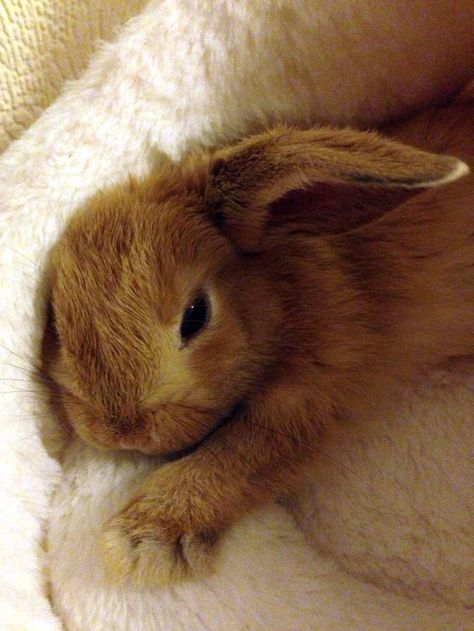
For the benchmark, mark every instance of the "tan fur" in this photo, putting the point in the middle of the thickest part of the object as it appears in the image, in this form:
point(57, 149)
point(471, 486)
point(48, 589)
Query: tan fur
point(316, 294)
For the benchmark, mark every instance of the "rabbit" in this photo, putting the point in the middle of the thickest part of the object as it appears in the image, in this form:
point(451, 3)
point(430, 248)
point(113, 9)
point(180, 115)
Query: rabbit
point(225, 310)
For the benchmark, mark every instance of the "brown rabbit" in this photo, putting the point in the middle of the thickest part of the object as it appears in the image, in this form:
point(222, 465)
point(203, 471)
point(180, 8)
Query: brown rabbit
point(225, 310)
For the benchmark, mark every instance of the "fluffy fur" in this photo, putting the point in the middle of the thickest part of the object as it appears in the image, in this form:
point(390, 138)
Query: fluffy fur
point(305, 323)
point(247, 590)
point(135, 99)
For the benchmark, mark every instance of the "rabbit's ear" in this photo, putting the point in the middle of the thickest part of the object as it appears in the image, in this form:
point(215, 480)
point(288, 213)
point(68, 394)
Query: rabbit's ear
point(246, 180)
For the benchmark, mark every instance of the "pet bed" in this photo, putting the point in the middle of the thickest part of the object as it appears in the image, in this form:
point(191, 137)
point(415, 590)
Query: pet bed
point(360, 505)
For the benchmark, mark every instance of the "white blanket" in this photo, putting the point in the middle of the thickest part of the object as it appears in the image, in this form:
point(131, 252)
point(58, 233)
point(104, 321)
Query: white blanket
point(165, 85)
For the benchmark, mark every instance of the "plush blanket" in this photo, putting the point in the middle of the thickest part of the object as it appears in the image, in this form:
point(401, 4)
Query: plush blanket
point(165, 85)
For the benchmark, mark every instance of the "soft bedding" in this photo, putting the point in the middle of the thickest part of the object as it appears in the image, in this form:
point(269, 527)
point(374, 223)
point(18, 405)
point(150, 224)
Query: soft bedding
point(169, 83)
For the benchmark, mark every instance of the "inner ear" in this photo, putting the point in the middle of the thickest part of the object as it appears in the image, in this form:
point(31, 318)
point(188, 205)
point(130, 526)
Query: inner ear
point(334, 208)
point(343, 177)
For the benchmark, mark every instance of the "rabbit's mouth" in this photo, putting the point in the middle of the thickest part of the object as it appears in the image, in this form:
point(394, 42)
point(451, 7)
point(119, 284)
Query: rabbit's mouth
point(224, 420)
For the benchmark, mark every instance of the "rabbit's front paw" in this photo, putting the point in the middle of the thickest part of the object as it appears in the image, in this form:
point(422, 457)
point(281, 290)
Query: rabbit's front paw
point(142, 545)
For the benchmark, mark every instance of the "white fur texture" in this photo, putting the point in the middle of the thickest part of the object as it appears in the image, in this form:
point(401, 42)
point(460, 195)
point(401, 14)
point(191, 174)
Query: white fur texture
point(391, 496)
point(186, 73)
point(268, 578)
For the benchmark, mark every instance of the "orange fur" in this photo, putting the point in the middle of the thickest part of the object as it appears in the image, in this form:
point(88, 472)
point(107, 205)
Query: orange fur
point(329, 274)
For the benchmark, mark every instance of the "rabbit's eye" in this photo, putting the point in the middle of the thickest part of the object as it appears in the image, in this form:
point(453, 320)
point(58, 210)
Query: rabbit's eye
point(195, 317)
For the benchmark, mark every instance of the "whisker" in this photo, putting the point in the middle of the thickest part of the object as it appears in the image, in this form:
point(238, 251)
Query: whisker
point(226, 445)
point(20, 271)
point(23, 391)
point(28, 360)
point(196, 408)
point(28, 371)
point(11, 379)
point(203, 444)
point(34, 263)
point(304, 444)
point(36, 373)
point(42, 389)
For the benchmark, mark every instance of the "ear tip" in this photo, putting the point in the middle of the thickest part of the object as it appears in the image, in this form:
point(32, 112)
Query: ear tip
point(458, 169)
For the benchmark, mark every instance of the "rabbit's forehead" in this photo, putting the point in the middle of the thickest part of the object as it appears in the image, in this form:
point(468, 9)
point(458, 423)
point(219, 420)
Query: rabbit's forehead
point(122, 334)
point(123, 359)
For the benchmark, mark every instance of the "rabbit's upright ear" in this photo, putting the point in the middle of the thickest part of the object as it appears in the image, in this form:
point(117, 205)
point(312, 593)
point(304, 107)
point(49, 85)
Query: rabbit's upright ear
point(246, 180)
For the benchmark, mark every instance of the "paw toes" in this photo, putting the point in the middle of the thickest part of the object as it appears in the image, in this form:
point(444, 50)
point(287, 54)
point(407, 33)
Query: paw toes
point(198, 553)
point(158, 564)
point(147, 558)
point(119, 554)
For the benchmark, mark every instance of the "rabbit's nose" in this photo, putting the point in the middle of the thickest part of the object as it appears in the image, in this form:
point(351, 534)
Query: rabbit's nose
point(126, 428)
point(130, 433)
point(121, 425)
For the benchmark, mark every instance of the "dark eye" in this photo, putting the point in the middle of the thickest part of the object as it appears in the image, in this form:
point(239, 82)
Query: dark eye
point(195, 317)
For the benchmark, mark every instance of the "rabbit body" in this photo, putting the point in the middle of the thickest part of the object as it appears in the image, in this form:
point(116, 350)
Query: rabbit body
point(321, 276)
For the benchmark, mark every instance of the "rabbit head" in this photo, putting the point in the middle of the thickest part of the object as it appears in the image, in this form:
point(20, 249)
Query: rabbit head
point(170, 295)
